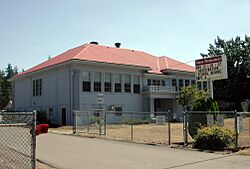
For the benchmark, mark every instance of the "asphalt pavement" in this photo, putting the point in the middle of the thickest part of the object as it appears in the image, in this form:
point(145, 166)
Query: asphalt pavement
point(74, 152)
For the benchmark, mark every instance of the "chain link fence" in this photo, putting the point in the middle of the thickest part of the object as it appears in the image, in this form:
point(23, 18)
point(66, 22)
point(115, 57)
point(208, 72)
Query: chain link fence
point(159, 127)
point(237, 122)
point(146, 127)
point(243, 123)
point(17, 140)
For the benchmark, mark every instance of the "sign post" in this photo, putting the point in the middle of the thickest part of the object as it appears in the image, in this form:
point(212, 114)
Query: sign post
point(210, 69)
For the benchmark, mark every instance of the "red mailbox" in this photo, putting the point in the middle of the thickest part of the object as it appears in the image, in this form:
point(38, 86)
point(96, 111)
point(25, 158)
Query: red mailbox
point(41, 128)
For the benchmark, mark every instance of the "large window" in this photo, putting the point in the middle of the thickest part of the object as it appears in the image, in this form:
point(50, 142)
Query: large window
point(118, 84)
point(107, 82)
point(156, 82)
point(37, 87)
point(149, 82)
point(136, 84)
point(174, 83)
point(97, 81)
point(180, 83)
point(199, 85)
point(187, 82)
point(127, 85)
point(204, 85)
point(86, 87)
point(163, 82)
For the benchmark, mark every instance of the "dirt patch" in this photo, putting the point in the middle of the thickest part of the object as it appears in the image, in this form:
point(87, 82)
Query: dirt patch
point(150, 133)
point(143, 133)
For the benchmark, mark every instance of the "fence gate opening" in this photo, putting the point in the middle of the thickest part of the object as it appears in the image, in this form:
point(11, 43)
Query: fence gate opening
point(17, 140)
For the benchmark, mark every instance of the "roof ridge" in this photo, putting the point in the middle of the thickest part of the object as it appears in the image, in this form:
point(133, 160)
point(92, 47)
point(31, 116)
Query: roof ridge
point(157, 62)
point(166, 63)
point(85, 47)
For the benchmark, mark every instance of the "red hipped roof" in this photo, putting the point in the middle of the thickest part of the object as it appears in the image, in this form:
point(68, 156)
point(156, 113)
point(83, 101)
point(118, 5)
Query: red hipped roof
point(112, 55)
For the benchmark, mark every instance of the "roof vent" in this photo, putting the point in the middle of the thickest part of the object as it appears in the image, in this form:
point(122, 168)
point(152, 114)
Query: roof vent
point(94, 43)
point(117, 44)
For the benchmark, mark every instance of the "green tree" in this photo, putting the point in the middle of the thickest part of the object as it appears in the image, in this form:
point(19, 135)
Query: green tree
point(236, 88)
point(6, 87)
point(199, 101)
point(188, 96)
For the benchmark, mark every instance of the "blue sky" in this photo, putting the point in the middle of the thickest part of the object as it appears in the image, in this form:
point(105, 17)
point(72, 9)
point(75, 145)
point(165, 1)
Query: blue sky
point(30, 31)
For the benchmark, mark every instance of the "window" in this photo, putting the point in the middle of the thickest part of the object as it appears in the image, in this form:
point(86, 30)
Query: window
point(97, 81)
point(136, 84)
point(187, 83)
point(199, 85)
point(192, 82)
point(107, 82)
point(163, 83)
point(118, 85)
point(37, 87)
point(180, 83)
point(156, 82)
point(86, 87)
point(174, 82)
point(127, 85)
point(149, 82)
point(118, 111)
point(204, 85)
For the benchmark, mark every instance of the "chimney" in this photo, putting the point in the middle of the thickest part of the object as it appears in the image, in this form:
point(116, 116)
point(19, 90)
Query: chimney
point(94, 43)
point(117, 44)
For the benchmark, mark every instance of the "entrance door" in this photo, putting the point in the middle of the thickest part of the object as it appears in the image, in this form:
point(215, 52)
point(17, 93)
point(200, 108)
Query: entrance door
point(63, 116)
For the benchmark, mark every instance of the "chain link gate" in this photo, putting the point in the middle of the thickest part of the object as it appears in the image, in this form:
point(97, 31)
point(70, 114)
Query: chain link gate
point(17, 140)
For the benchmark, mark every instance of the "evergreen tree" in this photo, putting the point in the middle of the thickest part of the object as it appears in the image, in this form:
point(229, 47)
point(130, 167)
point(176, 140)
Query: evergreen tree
point(6, 86)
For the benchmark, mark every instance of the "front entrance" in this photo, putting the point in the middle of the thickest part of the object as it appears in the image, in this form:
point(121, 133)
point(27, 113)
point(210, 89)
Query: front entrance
point(163, 105)
point(63, 117)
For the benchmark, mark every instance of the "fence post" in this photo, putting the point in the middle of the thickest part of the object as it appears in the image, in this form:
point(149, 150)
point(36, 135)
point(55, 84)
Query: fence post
point(74, 122)
point(88, 122)
point(236, 128)
point(33, 144)
point(105, 122)
point(100, 120)
point(169, 128)
point(185, 132)
point(132, 127)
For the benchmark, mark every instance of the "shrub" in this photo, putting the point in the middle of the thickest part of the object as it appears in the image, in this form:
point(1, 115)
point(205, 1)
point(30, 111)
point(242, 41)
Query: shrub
point(213, 138)
point(196, 121)
point(135, 121)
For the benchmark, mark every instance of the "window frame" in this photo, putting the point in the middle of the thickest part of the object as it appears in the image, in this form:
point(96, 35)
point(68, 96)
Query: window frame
point(37, 85)
point(107, 83)
point(136, 85)
point(127, 84)
point(86, 84)
point(97, 82)
point(118, 85)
